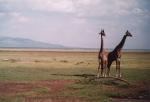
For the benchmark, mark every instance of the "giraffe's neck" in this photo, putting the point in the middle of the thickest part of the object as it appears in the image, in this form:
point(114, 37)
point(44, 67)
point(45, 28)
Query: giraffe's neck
point(121, 44)
point(101, 46)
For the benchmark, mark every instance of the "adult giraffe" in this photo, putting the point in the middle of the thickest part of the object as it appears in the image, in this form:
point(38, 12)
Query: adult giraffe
point(102, 57)
point(115, 55)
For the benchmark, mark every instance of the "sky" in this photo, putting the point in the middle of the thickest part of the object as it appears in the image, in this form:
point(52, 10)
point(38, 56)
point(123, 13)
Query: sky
point(77, 23)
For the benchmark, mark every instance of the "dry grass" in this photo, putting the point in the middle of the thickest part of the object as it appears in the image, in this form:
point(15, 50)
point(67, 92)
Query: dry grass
point(26, 67)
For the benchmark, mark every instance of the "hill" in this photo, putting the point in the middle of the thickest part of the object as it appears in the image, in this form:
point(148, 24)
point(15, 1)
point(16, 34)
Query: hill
point(10, 42)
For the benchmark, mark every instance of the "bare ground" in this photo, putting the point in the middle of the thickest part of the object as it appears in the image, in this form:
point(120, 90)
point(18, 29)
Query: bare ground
point(53, 87)
point(139, 92)
point(13, 87)
point(58, 99)
point(135, 93)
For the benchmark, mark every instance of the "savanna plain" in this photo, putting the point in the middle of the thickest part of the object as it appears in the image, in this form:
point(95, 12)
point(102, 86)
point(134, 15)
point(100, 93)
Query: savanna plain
point(65, 76)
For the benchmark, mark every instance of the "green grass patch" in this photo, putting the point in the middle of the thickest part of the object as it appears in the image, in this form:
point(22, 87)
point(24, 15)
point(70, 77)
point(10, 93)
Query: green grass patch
point(11, 99)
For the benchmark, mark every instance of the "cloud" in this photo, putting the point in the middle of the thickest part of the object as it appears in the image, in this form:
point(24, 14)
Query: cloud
point(15, 17)
point(78, 7)
point(51, 5)
point(18, 17)
point(70, 21)
point(2, 14)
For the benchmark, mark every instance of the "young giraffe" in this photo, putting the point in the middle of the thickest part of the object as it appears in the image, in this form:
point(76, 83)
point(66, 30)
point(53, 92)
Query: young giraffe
point(115, 55)
point(102, 57)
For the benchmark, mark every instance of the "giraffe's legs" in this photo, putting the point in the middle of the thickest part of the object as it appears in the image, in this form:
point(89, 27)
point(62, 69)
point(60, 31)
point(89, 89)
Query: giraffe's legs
point(108, 72)
point(98, 72)
point(108, 68)
point(117, 68)
point(119, 72)
point(102, 69)
point(105, 69)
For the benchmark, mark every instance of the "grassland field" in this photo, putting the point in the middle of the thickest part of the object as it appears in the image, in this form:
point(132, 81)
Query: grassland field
point(59, 76)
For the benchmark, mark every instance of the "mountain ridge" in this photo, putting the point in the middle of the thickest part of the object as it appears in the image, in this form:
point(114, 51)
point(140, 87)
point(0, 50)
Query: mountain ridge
point(16, 42)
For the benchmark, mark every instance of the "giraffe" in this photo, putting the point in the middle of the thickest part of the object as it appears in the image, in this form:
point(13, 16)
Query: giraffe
point(115, 55)
point(102, 57)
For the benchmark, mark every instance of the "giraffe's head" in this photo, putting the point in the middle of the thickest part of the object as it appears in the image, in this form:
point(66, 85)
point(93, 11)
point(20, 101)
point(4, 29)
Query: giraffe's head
point(102, 33)
point(128, 33)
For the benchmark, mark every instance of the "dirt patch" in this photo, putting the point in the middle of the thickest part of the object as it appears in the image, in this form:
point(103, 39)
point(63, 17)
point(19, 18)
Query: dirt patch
point(53, 87)
point(12, 88)
point(140, 92)
point(58, 99)
point(130, 100)
point(8, 88)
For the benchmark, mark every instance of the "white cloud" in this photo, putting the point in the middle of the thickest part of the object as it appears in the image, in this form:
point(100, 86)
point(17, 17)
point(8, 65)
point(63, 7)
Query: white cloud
point(14, 19)
point(2, 14)
point(18, 17)
point(52, 5)
point(75, 19)
point(79, 7)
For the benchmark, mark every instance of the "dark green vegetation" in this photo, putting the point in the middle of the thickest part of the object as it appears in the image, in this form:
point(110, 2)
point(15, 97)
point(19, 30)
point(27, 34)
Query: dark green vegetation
point(31, 76)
